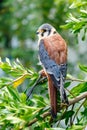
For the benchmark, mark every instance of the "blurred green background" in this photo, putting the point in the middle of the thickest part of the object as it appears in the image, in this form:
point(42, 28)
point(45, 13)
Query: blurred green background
point(19, 20)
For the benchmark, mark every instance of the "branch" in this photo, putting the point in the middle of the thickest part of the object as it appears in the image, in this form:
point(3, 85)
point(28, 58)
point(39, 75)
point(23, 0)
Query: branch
point(35, 120)
point(74, 79)
point(78, 98)
point(71, 102)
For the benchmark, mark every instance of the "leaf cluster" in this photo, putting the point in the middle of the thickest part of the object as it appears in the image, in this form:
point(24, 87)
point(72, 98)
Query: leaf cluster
point(16, 111)
point(77, 19)
point(19, 113)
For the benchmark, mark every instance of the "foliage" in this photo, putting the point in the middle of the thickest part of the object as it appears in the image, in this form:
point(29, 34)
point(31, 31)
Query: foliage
point(19, 113)
point(16, 111)
point(19, 21)
point(77, 21)
point(24, 16)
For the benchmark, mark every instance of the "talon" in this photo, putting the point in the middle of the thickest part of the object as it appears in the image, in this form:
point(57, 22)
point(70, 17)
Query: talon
point(64, 104)
point(42, 73)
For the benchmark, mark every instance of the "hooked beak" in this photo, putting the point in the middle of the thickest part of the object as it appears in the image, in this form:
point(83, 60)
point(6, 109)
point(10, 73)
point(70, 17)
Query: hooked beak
point(37, 32)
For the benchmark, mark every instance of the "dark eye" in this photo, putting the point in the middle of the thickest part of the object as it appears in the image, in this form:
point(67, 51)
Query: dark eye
point(54, 32)
point(45, 30)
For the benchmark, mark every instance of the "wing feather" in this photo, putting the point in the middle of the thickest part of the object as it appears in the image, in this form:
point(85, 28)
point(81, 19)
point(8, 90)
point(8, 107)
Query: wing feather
point(54, 62)
point(50, 65)
point(56, 48)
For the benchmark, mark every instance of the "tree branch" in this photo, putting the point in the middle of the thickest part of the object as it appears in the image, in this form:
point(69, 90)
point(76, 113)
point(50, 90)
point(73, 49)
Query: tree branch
point(78, 98)
point(43, 116)
point(75, 79)
point(71, 102)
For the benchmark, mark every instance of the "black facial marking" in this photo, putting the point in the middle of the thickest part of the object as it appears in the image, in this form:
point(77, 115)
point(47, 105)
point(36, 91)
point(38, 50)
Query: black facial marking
point(49, 31)
point(42, 34)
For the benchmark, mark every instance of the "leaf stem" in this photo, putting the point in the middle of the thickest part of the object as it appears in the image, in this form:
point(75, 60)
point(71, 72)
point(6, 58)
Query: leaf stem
point(78, 110)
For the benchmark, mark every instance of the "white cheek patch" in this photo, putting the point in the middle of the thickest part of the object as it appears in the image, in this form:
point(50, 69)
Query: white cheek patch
point(45, 34)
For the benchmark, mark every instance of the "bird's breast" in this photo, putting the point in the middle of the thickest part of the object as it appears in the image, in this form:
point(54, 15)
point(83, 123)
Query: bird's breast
point(56, 48)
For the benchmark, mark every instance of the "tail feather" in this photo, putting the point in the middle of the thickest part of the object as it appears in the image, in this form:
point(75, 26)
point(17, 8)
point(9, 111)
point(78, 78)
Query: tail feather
point(60, 86)
point(53, 97)
point(62, 91)
point(55, 85)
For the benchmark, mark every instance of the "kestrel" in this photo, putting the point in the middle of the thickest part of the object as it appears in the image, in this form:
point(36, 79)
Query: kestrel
point(53, 57)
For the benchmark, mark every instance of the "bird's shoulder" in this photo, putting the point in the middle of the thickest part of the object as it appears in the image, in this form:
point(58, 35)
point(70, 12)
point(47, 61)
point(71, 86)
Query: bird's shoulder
point(54, 42)
point(56, 47)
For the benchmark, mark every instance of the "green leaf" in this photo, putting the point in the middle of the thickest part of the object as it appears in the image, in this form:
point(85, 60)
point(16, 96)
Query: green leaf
point(84, 113)
point(84, 12)
point(83, 68)
point(40, 101)
point(77, 4)
point(14, 93)
point(54, 129)
point(5, 81)
point(67, 84)
point(67, 115)
point(76, 127)
point(13, 119)
point(82, 87)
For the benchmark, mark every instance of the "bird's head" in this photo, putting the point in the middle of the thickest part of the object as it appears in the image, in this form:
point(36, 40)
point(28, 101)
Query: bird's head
point(45, 30)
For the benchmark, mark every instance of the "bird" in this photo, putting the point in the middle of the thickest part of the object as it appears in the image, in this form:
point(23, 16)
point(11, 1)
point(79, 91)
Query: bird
point(53, 57)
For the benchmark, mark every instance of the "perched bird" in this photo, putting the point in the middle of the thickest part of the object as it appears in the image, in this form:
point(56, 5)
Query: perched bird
point(53, 56)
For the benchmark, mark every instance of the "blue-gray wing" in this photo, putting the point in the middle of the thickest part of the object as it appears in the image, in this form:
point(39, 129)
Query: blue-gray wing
point(56, 72)
point(63, 69)
point(50, 65)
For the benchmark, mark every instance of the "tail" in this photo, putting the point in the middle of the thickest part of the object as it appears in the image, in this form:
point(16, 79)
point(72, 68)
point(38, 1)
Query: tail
point(64, 98)
point(60, 86)
point(53, 97)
